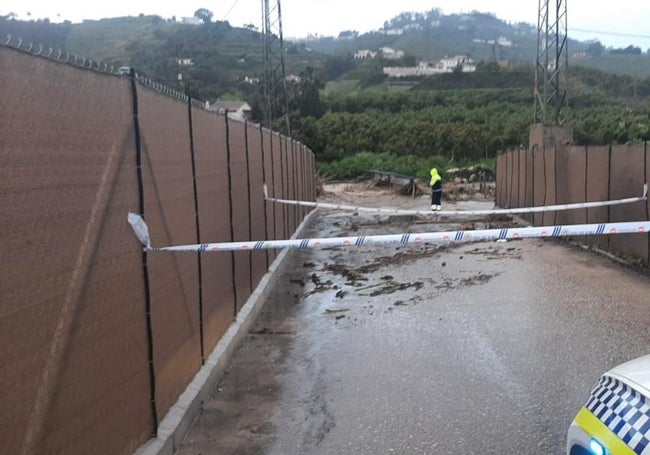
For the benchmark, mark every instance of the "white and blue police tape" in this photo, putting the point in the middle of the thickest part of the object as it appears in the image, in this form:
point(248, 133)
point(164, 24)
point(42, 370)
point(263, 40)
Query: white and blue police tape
point(391, 211)
point(425, 237)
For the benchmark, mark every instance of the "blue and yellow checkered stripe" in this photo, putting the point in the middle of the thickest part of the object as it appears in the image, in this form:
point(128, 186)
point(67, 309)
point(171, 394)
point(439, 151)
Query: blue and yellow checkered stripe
point(615, 414)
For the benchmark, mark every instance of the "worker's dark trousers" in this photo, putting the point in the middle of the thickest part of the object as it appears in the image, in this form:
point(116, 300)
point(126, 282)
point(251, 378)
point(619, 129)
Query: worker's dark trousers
point(436, 193)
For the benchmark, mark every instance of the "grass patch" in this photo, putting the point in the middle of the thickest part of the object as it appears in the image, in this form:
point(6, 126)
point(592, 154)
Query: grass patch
point(342, 87)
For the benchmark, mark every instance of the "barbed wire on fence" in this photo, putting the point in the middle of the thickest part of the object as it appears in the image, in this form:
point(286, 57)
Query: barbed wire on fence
point(167, 91)
point(37, 49)
point(198, 103)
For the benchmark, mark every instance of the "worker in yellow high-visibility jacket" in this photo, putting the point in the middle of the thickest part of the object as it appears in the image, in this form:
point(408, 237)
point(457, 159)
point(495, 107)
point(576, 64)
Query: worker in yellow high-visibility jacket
point(436, 189)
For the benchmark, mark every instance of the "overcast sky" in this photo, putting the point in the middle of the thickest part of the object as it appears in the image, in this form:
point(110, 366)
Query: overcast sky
point(617, 24)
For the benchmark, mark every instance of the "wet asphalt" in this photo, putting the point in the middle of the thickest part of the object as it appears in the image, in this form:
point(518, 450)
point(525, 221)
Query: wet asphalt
point(484, 348)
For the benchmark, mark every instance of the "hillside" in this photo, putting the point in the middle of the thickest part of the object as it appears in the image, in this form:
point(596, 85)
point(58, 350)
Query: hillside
point(484, 37)
point(433, 35)
point(218, 57)
point(223, 56)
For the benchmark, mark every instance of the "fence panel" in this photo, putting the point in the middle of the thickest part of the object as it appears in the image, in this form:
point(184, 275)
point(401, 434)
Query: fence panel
point(598, 190)
point(240, 202)
point(169, 211)
point(530, 183)
point(539, 183)
point(509, 178)
point(626, 179)
point(258, 222)
point(278, 185)
point(214, 215)
point(521, 190)
point(550, 196)
point(647, 202)
point(312, 163)
point(516, 177)
point(271, 208)
point(576, 184)
point(292, 169)
point(501, 179)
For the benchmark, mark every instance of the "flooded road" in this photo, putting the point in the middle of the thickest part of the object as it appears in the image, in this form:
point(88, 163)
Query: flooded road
point(460, 349)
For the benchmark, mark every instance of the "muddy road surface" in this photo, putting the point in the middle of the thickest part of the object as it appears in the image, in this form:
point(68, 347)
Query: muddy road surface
point(462, 349)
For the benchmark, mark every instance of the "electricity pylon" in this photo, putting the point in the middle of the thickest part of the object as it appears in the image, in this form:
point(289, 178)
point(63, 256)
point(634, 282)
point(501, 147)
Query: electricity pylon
point(551, 86)
point(276, 100)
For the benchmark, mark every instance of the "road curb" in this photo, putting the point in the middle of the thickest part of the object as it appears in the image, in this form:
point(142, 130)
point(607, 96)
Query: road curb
point(179, 418)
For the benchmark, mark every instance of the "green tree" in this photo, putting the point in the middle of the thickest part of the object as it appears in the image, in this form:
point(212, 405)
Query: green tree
point(309, 87)
point(204, 14)
point(595, 49)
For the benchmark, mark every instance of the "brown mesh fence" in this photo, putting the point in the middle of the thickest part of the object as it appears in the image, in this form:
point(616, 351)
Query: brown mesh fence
point(508, 181)
point(240, 213)
point(270, 181)
point(563, 175)
point(258, 217)
point(214, 215)
point(284, 184)
point(514, 190)
point(77, 325)
point(627, 176)
point(598, 189)
point(521, 191)
point(539, 183)
point(548, 218)
point(288, 152)
point(310, 185)
point(294, 171)
point(104, 379)
point(501, 176)
point(73, 362)
point(304, 193)
point(647, 202)
point(575, 187)
point(561, 184)
point(530, 182)
point(278, 187)
point(169, 211)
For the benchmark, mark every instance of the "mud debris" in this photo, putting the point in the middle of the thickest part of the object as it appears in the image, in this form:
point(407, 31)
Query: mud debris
point(269, 331)
point(342, 270)
point(392, 287)
point(330, 311)
point(398, 258)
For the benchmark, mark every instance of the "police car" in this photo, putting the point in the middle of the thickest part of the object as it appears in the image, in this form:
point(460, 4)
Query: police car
point(616, 418)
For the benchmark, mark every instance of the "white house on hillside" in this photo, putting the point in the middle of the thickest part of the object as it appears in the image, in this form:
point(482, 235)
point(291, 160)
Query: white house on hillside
point(364, 54)
point(466, 64)
point(503, 41)
point(238, 110)
point(191, 20)
point(447, 65)
point(391, 54)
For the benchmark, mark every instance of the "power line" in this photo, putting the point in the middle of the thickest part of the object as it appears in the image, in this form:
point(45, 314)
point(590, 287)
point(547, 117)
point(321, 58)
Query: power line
point(230, 10)
point(600, 32)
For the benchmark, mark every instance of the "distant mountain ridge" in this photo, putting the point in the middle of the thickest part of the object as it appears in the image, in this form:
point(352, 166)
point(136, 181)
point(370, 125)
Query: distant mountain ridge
point(433, 35)
point(215, 58)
